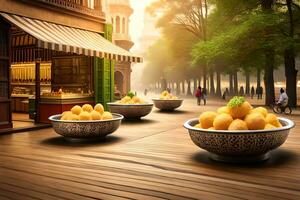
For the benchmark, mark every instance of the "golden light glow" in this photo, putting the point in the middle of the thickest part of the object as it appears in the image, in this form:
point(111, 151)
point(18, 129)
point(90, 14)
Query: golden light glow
point(137, 21)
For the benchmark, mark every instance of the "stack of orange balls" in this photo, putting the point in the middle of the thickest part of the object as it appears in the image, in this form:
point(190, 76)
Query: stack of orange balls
point(86, 113)
point(238, 115)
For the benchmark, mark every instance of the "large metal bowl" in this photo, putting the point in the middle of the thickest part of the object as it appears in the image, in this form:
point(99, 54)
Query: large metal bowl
point(167, 105)
point(239, 146)
point(85, 129)
point(131, 111)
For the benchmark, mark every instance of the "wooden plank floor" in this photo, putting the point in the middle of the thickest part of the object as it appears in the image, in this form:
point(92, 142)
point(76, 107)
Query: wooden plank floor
point(152, 159)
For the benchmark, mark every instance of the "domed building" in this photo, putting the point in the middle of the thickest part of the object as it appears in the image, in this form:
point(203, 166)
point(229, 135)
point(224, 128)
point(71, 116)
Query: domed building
point(118, 13)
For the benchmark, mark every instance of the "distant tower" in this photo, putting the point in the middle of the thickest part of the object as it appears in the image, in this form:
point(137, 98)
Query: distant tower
point(118, 15)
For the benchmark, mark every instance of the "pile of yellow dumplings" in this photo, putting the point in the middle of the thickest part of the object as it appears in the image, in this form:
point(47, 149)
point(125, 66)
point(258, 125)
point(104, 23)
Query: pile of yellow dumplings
point(238, 115)
point(131, 100)
point(165, 95)
point(86, 113)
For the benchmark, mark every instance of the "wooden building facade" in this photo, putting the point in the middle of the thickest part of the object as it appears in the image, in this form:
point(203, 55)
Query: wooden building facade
point(55, 54)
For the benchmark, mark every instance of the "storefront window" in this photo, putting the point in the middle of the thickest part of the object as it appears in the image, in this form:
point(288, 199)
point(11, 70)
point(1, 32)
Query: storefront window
point(23, 78)
point(71, 76)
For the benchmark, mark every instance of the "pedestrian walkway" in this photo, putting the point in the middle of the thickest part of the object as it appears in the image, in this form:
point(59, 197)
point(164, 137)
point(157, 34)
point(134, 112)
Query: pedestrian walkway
point(150, 159)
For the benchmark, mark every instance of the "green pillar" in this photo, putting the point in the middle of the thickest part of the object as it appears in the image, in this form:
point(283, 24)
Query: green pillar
point(104, 75)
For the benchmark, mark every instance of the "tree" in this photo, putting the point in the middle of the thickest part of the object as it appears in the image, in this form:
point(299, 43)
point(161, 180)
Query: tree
point(251, 31)
point(189, 15)
point(292, 7)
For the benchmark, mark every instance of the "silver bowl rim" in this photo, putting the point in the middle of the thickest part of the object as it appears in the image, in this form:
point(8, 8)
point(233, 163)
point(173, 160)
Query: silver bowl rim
point(117, 117)
point(289, 125)
point(157, 99)
point(128, 105)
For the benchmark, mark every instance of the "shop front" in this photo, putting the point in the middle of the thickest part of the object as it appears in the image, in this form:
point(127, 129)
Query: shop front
point(47, 68)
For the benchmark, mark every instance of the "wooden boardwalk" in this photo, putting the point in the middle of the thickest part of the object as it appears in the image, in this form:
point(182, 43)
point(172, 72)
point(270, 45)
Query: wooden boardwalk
point(153, 159)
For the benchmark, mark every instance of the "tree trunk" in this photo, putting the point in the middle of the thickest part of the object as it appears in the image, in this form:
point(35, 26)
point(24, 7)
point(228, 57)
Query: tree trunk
point(258, 77)
point(291, 76)
point(212, 84)
point(177, 88)
point(231, 84)
point(269, 76)
point(236, 86)
point(267, 6)
point(195, 85)
point(204, 77)
point(247, 83)
point(289, 62)
point(188, 93)
point(218, 92)
point(183, 87)
point(199, 81)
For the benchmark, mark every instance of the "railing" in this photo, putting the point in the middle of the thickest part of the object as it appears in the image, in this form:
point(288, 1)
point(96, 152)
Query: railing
point(74, 5)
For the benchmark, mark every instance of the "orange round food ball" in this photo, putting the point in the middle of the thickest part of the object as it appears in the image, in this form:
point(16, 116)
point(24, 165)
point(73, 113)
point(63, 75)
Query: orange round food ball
point(222, 121)
point(211, 128)
point(269, 127)
point(136, 100)
point(99, 108)
point(255, 121)
point(87, 108)
point(65, 115)
point(261, 110)
point(207, 118)
point(95, 115)
point(66, 112)
point(73, 117)
point(85, 116)
point(198, 126)
point(278, 125)
point(106, 116)
point(239, 112)
point(223, 109)
point(76, 110)
point(237, 124)
point(272, 119)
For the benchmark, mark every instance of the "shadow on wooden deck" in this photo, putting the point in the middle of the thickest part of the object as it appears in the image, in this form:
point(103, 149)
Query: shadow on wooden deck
point(174, 112)
point(62, 141)
point(138, 121)
point(278, 157)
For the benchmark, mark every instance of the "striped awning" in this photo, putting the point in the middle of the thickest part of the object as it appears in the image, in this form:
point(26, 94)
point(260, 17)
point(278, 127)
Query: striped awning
point(68, 39)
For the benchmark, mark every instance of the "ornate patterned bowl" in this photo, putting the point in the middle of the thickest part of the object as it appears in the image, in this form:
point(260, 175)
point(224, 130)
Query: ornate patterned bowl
point(239, 146)
point(85, 129)
point(167, 105)
point(131, 111)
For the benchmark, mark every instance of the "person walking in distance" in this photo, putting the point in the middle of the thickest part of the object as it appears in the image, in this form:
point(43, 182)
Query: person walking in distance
point(198, 95)
point(204, 95)
point(260, 92)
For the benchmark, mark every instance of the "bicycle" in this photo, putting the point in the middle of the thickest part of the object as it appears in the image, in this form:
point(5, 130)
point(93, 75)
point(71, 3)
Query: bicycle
point(280, 110)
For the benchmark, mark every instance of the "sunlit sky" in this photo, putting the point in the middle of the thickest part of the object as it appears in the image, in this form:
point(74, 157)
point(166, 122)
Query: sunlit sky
point(137, 20)
point(136, 31)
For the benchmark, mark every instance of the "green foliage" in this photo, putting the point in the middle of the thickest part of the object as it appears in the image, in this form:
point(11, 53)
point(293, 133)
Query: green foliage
point(237, 33)
point(236, 101)
point(130, 94)
point(245, 38)
point(170, 56)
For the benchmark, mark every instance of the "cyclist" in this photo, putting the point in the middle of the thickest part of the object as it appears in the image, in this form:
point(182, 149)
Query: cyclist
point(283, 99)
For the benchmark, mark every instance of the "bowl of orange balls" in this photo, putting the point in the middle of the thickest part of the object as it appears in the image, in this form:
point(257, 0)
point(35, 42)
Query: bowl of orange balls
point(238, 132)
point(131, 107)
point(86, 122)
point(167, 102)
